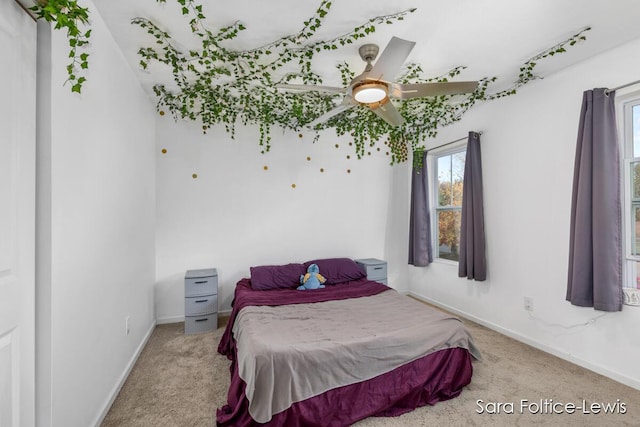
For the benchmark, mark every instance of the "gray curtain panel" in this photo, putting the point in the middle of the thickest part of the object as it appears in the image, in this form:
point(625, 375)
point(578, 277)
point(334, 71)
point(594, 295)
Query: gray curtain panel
point(595, 247)
point(472, 263)
point(420, 252)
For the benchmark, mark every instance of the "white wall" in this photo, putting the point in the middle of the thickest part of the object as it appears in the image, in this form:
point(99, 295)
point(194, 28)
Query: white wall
point(236, 214)
point(96, 227)
point(528, 149)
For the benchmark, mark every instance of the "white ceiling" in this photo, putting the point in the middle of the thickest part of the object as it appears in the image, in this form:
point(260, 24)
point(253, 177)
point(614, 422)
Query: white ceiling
point(489, 37)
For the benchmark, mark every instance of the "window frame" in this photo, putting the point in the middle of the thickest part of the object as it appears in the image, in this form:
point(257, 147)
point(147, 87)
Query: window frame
point(432, 162)
point(624, 113)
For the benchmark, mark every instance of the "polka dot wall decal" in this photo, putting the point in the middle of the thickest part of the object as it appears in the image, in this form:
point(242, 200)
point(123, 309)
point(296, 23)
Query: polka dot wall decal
point(321, 169)
point(378, 148)
point(293, 186)
point(348, 156)
point(369, 153)
point(337, 146)
point(161, 112)
point(265, 167)
point(308, 158)
point(194, 176)
point(348, 170)
point(299, 135)
point(164, 151)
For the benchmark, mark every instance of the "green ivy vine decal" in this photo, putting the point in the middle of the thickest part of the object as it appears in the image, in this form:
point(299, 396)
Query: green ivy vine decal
point(68, 14)
point(219, 85)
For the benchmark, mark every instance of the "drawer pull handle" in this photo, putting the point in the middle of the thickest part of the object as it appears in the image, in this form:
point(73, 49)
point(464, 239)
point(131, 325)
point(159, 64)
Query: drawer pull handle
point(377, 268)
point(202, 300)
point(201, 320)
point(201, 282)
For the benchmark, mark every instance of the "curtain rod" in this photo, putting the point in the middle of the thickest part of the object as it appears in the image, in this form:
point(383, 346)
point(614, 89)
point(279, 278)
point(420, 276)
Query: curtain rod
point(23, 7)
point(450, 142)
point(607, 91)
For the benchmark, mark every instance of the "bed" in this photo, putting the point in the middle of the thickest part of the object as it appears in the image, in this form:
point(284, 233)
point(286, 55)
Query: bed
point(333, 356)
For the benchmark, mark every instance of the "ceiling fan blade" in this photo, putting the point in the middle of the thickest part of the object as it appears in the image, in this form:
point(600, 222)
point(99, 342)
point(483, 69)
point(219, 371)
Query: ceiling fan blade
point(389, 114)
point(317, 88)
point(347, 103)
point(391, 59)
point(418, 90)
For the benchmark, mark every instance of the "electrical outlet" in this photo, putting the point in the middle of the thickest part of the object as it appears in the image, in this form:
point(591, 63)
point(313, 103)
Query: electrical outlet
point(127, 328)
point(528, 303)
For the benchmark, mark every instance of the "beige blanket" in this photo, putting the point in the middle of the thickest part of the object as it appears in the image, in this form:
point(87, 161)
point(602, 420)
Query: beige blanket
point(290, 353)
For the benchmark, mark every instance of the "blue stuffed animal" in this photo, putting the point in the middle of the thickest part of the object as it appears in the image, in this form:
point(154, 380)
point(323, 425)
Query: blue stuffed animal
point(312, 280)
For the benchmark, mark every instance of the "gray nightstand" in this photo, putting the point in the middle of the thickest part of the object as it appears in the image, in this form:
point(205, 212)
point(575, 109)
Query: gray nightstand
point(376, 269)
point(200, 301)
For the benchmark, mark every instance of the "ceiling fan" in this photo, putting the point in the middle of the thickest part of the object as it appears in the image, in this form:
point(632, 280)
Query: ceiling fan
point(374, 88)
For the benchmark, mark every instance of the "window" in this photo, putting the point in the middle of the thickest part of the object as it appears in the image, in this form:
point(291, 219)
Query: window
point(629, 116)
point(448, 167)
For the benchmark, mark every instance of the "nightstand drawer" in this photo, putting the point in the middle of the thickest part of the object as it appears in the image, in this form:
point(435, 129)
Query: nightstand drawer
point(201, 282)
point(199, 324)
point(376, 271)
point(200, 305)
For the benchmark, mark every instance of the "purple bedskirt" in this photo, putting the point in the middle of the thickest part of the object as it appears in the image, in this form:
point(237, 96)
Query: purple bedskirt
point(436, 377)
point(433, 378)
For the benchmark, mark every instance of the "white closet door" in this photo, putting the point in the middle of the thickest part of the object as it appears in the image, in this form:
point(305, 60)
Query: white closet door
point(17, 215)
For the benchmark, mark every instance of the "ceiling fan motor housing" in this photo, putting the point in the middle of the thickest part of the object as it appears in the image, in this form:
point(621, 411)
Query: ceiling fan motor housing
point(368, 52)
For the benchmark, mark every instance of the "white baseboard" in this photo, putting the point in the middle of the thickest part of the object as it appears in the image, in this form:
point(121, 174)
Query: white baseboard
point(534, 343)
point(170, 319)
point(123, 377)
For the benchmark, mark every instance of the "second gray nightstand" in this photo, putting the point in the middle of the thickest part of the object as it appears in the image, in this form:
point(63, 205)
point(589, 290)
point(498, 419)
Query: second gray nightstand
point(376, 269)
point(200, 301)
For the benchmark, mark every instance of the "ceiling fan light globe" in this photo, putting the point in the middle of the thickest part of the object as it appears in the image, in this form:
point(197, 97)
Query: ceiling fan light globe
point(369, 93)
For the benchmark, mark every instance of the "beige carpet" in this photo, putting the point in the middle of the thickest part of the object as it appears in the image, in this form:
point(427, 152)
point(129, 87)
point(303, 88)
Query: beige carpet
point(179, 380)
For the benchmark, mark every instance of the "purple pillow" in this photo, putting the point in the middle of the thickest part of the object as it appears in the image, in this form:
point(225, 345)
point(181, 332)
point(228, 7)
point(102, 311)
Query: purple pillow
point(267, 277)
point(338, 270)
